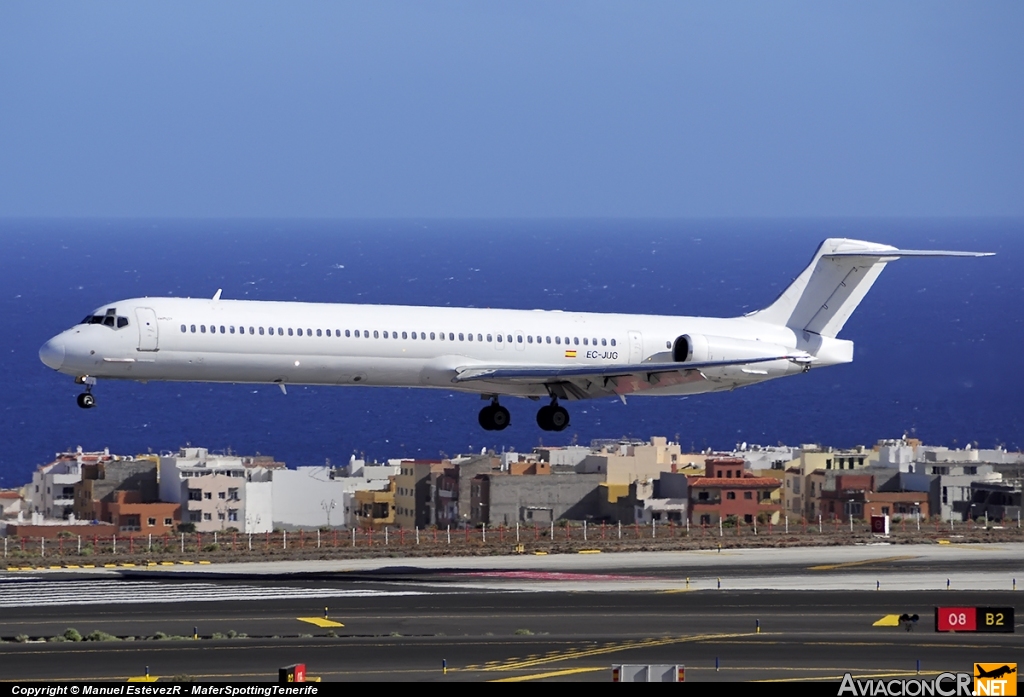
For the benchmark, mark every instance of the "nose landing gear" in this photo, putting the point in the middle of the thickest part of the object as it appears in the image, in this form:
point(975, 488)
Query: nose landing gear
point(86, 400)
point(494, 417)
point(553, 417)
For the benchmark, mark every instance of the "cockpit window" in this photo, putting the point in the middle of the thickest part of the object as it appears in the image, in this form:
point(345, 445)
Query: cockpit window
point(109, 318)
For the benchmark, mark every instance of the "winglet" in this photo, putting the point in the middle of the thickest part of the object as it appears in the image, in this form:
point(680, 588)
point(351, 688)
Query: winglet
point(216, 296)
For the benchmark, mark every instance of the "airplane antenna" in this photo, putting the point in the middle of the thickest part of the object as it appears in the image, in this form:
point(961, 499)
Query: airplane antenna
point(216, 296)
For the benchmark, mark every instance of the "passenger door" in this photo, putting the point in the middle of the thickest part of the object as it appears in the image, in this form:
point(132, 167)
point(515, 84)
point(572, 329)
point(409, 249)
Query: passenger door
point(149, 334)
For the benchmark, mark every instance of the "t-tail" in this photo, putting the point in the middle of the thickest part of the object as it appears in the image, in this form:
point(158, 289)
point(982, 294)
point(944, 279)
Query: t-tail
point(821, 299)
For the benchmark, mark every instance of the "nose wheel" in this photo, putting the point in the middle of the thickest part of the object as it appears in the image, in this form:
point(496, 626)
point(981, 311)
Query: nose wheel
point(494, 417)
point(86, 400)
point(553, 417)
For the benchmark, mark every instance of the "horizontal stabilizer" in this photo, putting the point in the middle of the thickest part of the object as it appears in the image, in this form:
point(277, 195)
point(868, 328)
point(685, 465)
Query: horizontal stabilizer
point(896, 253)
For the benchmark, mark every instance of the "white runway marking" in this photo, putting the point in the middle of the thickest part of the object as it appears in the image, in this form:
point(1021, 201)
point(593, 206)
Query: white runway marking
point(31, 593)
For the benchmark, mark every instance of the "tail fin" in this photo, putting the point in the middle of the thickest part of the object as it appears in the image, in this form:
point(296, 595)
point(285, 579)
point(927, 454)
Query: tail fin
point(840, 274)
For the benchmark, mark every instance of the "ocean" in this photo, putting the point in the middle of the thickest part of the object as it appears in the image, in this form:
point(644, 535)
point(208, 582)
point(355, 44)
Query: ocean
point(937, 341)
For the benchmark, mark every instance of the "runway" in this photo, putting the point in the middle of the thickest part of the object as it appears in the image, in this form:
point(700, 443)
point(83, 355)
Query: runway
point(513, 618)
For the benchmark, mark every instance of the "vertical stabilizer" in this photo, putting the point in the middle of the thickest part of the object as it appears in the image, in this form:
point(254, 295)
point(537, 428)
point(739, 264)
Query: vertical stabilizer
point(840, 274)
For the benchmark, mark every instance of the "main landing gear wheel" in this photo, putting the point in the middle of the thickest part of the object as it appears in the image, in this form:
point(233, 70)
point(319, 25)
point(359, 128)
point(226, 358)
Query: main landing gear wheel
point(86, 400)
point(494, 418)
point(553, 418)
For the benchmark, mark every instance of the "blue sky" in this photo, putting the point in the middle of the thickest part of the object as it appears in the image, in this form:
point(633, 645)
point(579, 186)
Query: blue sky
point(481, 109)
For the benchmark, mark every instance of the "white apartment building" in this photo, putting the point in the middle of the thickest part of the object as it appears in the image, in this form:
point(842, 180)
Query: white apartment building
point(51, 495)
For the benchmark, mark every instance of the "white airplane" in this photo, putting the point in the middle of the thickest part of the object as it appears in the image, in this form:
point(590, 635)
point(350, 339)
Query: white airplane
point(524, 353)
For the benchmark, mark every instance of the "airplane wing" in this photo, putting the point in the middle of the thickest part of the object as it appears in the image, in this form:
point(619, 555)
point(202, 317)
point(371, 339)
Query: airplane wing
point(589, 381)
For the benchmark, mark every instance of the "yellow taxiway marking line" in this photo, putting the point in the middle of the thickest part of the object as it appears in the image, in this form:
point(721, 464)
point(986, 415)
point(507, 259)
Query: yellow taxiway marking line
point(867, 676)
point(887, 621)
point(187, 563)
point(144, 678)
point(679, 590)
point(846, 564)
point(589, 551)
point(167, 563)
point(204, 562)
point(128, 564)
point(517, 664)
point(320, 621)
point(553, 674)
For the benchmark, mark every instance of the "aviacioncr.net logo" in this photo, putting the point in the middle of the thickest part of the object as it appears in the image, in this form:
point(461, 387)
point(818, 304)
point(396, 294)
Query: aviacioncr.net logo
point(945, 685)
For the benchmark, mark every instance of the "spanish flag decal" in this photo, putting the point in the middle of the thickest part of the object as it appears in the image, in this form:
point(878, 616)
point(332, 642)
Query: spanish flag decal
point(570, 353)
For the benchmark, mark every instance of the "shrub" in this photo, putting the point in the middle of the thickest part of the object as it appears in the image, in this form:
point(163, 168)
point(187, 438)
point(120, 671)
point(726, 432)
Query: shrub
point(72, 634)
point(98, 635)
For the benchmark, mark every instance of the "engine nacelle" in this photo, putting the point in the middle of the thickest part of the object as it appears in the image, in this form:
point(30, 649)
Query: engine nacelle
point(699, 348)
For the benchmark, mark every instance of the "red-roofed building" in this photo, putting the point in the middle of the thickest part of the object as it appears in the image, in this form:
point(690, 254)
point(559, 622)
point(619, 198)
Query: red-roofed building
point(727, 490)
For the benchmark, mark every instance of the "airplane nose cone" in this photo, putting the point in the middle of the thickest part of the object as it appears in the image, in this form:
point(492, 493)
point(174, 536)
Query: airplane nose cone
point(52, 353)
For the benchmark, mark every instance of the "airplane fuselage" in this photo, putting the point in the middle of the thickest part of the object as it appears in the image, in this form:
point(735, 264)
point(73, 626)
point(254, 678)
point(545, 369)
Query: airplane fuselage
point(293, 343)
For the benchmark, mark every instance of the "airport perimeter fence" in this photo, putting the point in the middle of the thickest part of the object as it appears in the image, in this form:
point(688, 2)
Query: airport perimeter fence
point(560, 536)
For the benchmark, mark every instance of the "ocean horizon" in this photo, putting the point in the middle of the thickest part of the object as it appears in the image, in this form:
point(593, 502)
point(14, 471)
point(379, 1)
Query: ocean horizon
point(936, 340)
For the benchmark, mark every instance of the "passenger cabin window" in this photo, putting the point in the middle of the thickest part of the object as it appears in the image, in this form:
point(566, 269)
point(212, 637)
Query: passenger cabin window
point(183, 329)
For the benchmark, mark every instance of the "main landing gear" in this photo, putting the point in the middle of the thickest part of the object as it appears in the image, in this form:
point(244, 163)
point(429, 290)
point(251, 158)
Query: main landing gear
point(494, 417)
point(86, 400)
point(553, 417)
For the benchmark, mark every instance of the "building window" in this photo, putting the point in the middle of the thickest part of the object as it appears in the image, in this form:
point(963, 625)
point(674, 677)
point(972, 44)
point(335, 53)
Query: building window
point(168, 522)
point(748, 494)
point(195, 495)
point(207, 495)
point(152, 522)
point(195, 516)
point(222, 494)
point(730, 495)
point(748, 518)
point(233, 515)
point(207, 516)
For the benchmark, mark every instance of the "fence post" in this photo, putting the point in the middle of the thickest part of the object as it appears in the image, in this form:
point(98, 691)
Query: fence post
point(182, 543)
point(819, 523)
point(620, 529)
point(353, 537)
point(417, 535)
point(42, 546)
point(584, 531)
point(449, 533)
point(149, 543)
point(284, 539)
point(721, 533)
point(250, 541)
point(385, 535)
point(552, 533)
point(517, 530)
point(113, 539)
point(483, 532)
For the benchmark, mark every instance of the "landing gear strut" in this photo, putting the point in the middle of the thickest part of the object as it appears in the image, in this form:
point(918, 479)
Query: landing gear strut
point(494, 417)
point(86, 400)
point(553, 417)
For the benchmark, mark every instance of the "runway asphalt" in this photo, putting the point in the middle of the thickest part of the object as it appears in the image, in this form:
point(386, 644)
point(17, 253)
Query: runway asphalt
point(399, 620)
